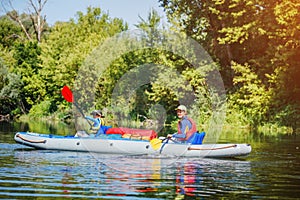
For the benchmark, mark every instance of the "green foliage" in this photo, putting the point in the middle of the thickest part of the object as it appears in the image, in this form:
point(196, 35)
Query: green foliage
point(10, 92)
point(288, 115)
point(10, 32)
point(41, 109)
point(251, 96)
point(28, 66)
point(254, 43)
point(69, 43)
point(264, 34)
point(44, 68)
point(6, 102)
point(3, 74)
point(235, 117)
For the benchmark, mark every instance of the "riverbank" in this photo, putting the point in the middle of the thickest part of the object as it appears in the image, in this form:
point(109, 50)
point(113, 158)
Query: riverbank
point(51, 124)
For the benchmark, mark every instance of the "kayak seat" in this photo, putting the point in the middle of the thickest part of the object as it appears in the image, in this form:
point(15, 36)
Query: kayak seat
point(197, 138)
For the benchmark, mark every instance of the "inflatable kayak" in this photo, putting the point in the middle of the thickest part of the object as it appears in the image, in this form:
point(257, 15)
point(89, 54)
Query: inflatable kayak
point(144, 144)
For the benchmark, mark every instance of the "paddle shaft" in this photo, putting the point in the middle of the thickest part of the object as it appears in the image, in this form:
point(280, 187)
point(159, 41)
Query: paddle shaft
point(68, 95)
point(79, 109)
point(160, 151)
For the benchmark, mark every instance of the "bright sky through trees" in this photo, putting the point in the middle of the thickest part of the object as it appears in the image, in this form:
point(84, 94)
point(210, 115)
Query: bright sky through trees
point(128, 10)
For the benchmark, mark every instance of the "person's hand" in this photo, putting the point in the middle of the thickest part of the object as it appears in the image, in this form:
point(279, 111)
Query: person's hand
point(169, 136)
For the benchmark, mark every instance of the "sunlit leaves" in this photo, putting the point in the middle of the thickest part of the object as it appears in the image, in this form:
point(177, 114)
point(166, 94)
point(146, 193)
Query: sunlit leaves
point(235, 34)
point(287, 11)
point(251, 97)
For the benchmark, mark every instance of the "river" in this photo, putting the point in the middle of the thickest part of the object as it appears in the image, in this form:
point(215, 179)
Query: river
point(271, 171)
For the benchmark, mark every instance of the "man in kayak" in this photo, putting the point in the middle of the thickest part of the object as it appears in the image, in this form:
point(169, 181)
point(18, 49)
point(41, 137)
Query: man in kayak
point(186, 126)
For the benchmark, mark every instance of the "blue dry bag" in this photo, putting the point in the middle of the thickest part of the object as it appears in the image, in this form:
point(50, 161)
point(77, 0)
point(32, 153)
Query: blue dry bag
point(197, 138)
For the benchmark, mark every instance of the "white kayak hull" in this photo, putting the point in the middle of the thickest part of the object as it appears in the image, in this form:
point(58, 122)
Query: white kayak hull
point(127, 146)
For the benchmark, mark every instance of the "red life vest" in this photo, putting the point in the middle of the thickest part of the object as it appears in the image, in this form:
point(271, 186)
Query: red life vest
point(190, 132)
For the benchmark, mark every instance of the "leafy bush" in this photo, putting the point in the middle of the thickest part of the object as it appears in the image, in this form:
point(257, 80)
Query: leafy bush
point(41, 109)
point(251, 96)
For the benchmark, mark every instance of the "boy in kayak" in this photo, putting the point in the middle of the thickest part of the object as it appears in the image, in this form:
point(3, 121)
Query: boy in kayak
point(186, 126)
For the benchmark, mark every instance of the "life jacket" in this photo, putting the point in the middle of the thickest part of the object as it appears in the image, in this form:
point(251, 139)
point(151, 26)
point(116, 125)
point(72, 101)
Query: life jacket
point(95, 129)
point(102, 121)
point(189, 132)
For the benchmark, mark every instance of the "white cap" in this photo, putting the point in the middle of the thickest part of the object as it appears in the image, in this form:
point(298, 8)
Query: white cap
point(181, 107)
point(97, 112)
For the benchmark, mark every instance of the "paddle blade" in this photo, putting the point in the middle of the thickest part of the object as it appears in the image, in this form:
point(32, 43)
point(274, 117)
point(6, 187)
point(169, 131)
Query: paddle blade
point(155, 143)
point(67, 94)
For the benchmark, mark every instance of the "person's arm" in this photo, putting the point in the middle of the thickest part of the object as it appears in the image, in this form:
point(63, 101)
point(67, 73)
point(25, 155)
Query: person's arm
point(184, 128)
point(178, 135)
point(92, 119)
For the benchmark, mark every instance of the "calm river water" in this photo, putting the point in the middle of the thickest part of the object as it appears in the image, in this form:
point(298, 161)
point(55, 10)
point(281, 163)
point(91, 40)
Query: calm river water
point(271, 171)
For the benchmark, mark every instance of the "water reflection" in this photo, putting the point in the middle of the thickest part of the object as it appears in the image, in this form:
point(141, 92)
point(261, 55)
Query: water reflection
point(71, 173)
point(271, 171)
point(38, 126)
point(212, 177)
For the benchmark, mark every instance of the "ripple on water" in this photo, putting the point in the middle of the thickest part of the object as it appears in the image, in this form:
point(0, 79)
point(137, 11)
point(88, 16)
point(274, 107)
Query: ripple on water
point(29, 173)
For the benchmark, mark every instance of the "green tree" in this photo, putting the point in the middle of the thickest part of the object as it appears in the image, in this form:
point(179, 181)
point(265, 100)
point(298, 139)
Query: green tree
point(261, 36)
point(226, 29)
point(9, 32)
point(43, 68)
point(10, 92)
point(167, 74)
point(284, 81)
point(28, 66)
point(252, 98)
point(67, 46)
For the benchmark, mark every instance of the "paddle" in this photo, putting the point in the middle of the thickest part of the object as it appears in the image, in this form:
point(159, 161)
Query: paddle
point(68, 96)
point(168, 138)
point(157, 143)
